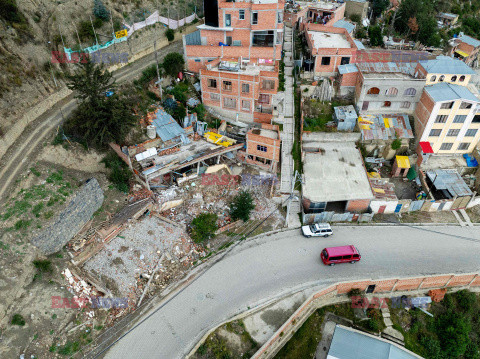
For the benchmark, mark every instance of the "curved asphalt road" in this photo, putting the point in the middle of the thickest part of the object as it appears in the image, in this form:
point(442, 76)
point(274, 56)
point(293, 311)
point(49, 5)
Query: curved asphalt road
point(262, 269)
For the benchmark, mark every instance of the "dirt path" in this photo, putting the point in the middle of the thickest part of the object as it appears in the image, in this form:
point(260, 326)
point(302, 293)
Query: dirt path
point(25, 149)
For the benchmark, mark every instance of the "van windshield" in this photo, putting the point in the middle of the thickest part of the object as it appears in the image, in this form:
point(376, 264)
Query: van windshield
point(325, 254)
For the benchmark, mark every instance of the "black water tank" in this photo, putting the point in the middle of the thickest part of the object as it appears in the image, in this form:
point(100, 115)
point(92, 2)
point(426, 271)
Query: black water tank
point(210, 8)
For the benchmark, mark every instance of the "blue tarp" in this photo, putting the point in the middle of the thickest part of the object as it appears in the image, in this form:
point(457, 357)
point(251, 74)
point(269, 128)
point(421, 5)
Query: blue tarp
point(471, 161)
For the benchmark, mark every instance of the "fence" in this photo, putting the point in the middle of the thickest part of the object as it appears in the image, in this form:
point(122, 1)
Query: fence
point(309, 218)
point(155, 17)
point(326, 296)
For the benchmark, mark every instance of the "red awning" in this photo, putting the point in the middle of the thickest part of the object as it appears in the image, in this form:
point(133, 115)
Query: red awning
point(426, 147)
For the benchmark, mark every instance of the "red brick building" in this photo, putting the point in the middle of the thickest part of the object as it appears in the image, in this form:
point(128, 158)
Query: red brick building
point(236, 53)
point(263, 147)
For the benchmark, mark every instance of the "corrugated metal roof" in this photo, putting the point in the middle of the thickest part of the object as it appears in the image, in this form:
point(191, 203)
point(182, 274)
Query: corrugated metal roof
point(385, 127)
point(359, 44)
point(351, 344)
point(167, 128)
point(347, 69)
point(345, 113)
point(446, 65)
point(345, 25)
point(382, 189)
point(388, 67)
point(469, 40)
point(449, 180)
point(444, 91)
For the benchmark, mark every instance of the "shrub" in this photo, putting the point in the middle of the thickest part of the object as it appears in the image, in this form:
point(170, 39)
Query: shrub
point(354, 292)
point(432, 347)
point(22, 224)
point(396, 144)
point(119, 172)
point(204, 226)
point(200, 111)
point(466, 300)
point(372, 325)
point(100, 11)
point(10, 12)
point(241, 206)
point(148, 75)
point(170, 34)
point(173, 63)
point(44, 266)
point(355, 18)
point(17, 319)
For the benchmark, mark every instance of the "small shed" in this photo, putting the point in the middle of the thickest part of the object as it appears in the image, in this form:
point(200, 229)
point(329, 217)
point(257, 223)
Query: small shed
point(345, 117)
point(401, 166)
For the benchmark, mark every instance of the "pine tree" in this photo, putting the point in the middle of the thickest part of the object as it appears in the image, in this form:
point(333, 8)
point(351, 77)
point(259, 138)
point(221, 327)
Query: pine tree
point(100, 11)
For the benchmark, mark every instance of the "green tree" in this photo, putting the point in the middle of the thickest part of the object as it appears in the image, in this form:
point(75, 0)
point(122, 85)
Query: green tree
point(356, 18)
point(9, 11)
point(173, 63)
point(98, 119)
point(396, 144)
point(241, 206)
point(100, 11)
point(472, 351)
point(203, 227)
point(452, 330)
point(375, 36)
point(432, 347)
point(170, 34)
point(119, 174)
point(379, 6)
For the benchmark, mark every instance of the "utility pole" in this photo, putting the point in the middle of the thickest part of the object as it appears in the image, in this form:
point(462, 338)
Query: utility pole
point(78, 37)
point(295, 178)
point(158, 71)
point(113, 29)
point(91, 22)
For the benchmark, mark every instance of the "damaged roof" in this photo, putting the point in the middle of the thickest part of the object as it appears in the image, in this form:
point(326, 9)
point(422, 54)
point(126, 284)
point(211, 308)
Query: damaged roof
point(166, 126)
point(385, 127)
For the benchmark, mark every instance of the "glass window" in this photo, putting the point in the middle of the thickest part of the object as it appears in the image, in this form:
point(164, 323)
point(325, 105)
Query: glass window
point(446, 146)
point(335, 258)
point(325, 61)
point(441, 119)
point(227, 85)
point(254, 18)
point(280, 17)
point(268, 84)
point(465, 105)
point(471, 132)
point(212, 83)
point(215, 97)
point(241, 14)
point(462, 78)
point(261, 148)
point(441, 78)
point(446, 105)
point(435, 133)
point(229, 102)
point(345, 61)
point(453, 79)
point(263, 38)
point(245, 105)
point(228, 20)
point(459, 118)
point(463, 146)
point(392, 91)
point(453, 133)
point(476, 119)
point(387, 104)
point(405, 104)
point(245, 88)
point(373, 91)
point(410, 92)
point(433, 78)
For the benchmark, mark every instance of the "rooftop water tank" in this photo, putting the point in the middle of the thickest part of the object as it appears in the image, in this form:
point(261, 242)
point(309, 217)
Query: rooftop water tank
point(151, 131)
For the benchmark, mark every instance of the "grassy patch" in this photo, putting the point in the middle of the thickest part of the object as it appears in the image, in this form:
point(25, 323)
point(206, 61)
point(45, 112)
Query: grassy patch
point(35, 171)
point(22, 224)
point(17, 319)
point(37, 209)
point(44, 266)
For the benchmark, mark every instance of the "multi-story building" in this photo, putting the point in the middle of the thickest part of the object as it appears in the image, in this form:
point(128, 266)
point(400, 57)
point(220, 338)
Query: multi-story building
point(448, 113)
point(236, 53)
point(330, 47)
point(263, 147)
point(387, 88)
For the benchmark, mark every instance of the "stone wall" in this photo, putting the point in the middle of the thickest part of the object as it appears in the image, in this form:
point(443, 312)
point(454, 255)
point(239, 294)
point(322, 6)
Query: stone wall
point(86, 202)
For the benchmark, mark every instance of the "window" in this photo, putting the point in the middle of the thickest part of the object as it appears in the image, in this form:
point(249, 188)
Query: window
point(241, 14)
point(465, 105)
point(245, 88)
point(228, 20)
point(335, 258)
point(387, 104)
point(446, 105)
point(214, 97)
point(263, 38)
point(345, 61)
point(441, 119)
point(476, 119)
point(227, 85)
point(346, 257)
point(261, 148)
point(197, 60)
point(433, 78)
point(237, 43)
point(392, 91)
point(446, 146)
point(373, 91)
point(245, 105)
point(268, 85)
point(229, 102)
point(459, 118)
point(356, 256)
point(463, 146)
point(212, 83)
point(441, 78)
point(453, 79)
point(435, 133)
point(262, 98)
point(254, 18)
point(405, 104)
point(471, 132)
point(462, 78)
point(229, 41)
point(325, 61)
point(410, 92)
point(280, 17)
point(453, 133)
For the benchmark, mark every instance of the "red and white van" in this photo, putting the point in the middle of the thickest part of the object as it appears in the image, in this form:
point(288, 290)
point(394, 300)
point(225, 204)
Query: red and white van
point(343, 254)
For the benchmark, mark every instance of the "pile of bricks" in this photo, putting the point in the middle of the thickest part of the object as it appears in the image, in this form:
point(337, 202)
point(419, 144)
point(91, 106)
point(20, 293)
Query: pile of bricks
point(437, 295)
point(138, 195)
point(169, 151)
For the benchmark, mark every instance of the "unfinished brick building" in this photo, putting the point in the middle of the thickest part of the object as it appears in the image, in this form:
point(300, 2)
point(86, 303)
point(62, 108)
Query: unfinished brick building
point(236, 53)
point(263, 147)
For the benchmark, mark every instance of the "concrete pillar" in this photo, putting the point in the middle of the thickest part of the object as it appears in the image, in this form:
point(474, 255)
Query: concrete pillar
point(218, 159)
point(448, 281)
point(420, 285)
point(393, 288)
point(198, 168)
point(474, 277)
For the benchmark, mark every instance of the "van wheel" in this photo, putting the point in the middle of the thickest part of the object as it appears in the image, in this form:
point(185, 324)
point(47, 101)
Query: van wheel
point(331, 264)
point(327, 235)
point(353, 262)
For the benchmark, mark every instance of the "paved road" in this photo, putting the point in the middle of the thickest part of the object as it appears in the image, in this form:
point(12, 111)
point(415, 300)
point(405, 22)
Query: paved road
point(25, 148)
point(264, 269)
